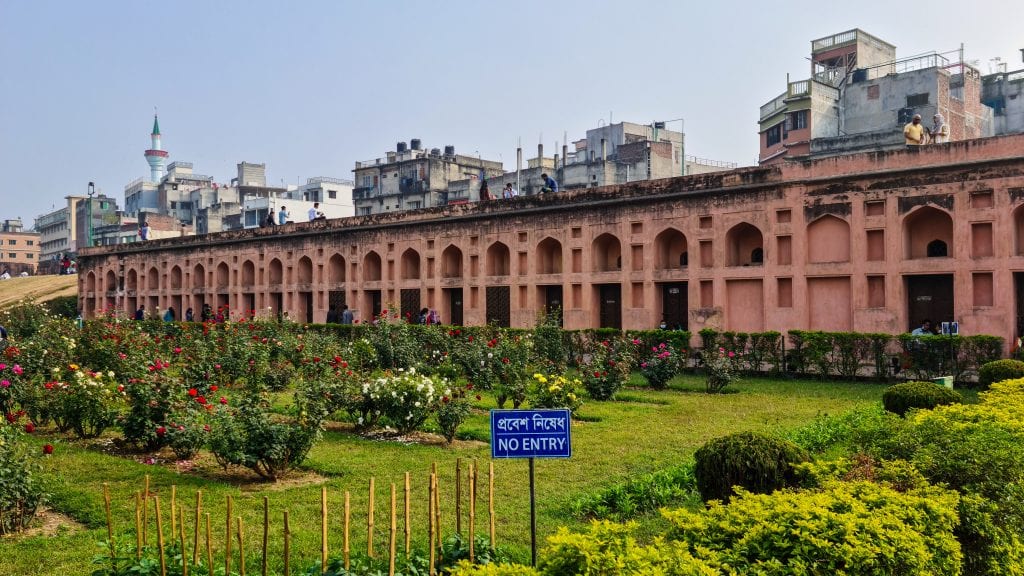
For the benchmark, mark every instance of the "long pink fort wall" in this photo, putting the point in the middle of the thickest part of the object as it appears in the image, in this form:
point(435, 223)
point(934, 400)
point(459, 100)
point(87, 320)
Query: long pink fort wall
point(866, 242)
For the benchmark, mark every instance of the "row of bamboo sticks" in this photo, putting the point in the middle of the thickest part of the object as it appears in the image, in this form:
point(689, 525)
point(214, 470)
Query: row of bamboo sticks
point(433, 509)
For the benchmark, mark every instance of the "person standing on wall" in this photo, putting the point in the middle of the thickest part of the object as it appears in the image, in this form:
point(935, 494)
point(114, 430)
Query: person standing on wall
point(939, 132)
point(913, 133)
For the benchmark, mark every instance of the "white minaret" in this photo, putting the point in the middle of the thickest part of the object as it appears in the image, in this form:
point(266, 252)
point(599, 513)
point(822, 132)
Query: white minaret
point(155, 155)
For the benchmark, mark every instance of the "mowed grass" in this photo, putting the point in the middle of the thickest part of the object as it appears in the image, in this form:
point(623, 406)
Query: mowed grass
point(644, 431)
point(40, 288)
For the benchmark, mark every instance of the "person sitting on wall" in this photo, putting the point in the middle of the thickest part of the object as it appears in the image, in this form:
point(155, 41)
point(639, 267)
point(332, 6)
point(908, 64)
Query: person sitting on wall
point(925, 329)
point(269, 221)
point(315, 213)
point(282, 216)
point(913, 133)
point(509, 191)
point(551, 186)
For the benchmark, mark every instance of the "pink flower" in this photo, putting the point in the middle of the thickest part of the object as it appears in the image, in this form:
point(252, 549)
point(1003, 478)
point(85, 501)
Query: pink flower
point(721, 349)
point(5, 384)
point(732, 354)
point(17, 370)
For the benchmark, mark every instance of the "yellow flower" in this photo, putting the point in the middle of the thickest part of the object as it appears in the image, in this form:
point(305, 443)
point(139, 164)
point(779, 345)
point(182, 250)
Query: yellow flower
point(553, 388)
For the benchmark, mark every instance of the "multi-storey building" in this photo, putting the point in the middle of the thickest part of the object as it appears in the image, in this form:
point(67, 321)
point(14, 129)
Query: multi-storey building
point(57, 234)
point(412, 177)
point(19, 250)
point(860, 96)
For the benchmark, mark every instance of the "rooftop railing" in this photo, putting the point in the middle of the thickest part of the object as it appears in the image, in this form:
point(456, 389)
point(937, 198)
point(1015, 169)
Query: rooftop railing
point(833, 40)
point(776, 104)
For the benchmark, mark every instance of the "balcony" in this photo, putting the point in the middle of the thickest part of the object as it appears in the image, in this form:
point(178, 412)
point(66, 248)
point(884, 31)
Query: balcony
point(777, 103)
point(365, 192)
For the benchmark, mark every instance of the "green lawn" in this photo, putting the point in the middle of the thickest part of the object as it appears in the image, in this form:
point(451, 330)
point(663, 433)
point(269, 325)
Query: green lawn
point(647, 431)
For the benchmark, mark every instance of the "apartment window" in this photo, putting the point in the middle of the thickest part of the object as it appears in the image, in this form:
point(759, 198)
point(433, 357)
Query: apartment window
point(31, 242)
point(174, 205)
point(365, 211)
point(773, 135)
point(12, 255)
point(914, 100)
point(367, 181)
point(29, 256)
point(797, 120)
point(12, 242)
point(332, 194)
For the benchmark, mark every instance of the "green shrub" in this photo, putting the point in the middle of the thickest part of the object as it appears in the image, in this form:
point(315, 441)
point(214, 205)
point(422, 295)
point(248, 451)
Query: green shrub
point(756, 462)
point(900, 398)
point(998, 371)
point(608, 549)
point(464, 568)
point(21, 493)
point(844, 528)
point(63, 306)
point(639, 495)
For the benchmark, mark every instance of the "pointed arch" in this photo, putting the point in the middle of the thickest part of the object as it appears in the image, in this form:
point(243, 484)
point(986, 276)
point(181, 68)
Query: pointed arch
point(672, 250)
point(198, 276)
point(498, 260)
point(410, 265)
point(922, 228)
point(606, 252)
point(549, 256)
point(371, 267)
point(336, 269)
point(745, 245)
point(305, 270)
point(828, 240)
point(275, 272)
point(90, 282)
point(248, 274)
point(176, 278)
point(223, 275)
point(110, 285)
point(153, 279)
point(451, 262)
point(132, 280)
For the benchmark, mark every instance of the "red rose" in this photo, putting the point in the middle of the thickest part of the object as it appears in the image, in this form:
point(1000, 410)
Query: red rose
point(193, 392)
point(30, 427)
point(213, 388)
point(478, 397)
point(597, 374)
point(223, 400)
point(201, 399)
point(48, 449)
point(160, 431)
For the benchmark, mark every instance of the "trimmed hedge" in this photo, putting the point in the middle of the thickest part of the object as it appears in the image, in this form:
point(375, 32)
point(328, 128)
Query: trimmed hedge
point(900, 398)
point(756, 462)
point(998, 371)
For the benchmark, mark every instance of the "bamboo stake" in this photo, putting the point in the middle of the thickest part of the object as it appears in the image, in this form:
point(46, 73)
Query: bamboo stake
point(145, 513)
point(490, 499)
point(369, 523)
point(437, 508)
point(159, 534)
point(408, 527)
point(458, 496)
point(110, 523)
point(181, 539)
point(266, 532)
point(174, 521)
point(195, 539)
point(472, 509)
point(227, 539)
point(348, 514)
point(209, 546)
point(138, 525)
point(323, 529)
point(430, 522)
point(241, 548)
point(394, 532)
point(287, 546)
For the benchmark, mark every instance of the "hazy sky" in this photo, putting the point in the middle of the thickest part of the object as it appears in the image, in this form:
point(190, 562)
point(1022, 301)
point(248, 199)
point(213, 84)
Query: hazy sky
point(311, 87)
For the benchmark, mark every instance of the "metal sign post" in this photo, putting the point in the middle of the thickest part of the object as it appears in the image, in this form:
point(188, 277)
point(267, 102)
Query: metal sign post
point(531, 434)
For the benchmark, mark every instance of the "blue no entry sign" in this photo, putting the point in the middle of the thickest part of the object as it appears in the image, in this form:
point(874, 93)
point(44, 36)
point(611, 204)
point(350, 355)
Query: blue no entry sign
point(531, 434)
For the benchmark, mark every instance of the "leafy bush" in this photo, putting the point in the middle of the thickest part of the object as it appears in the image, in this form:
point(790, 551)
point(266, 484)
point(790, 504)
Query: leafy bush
point(464, 568)
point(556, 392)
point(845, 528)
point(998, 371)
point(86, 403)
point(511, 355)
point(608, 549)
point(607, 372)
point(753, 461)
point(452, 411)
point(63, 306)
point(719, 369)
point(549, 349)
point(186, 434)
point(659, 366)
point(900, 398)
point(405, 398)
point(21, 493)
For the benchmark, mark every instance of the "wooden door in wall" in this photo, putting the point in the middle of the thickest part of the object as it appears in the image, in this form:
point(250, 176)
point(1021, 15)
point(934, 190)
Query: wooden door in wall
point(611, 305)
point(553, 303)
point(306, 300)
point(499, 306)
point(454, 306)
point(929, 297)
point(674, 304)
point(411, 305)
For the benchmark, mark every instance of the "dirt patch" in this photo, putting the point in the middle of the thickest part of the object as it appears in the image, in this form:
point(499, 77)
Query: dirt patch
point(422, 438)
point(49, 523)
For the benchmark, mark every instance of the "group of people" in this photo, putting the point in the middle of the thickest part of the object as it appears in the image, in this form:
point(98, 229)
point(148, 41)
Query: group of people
point(548, 185)
point(917, 134)
point(284, 216)
point(344, 316)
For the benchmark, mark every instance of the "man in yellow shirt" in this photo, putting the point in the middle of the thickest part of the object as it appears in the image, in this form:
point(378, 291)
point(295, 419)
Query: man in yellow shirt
point(914, 132)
